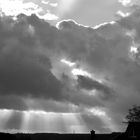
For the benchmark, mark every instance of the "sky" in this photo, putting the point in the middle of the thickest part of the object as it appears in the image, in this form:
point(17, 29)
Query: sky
point(68, 66)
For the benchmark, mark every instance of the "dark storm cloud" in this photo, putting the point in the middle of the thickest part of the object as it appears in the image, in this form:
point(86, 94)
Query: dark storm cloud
point(32, 76)
point(84, 99)
point(29, 47)
point(26, 76)
point(105, 51)
point(12, 102)
point(90, 84)
point(51, 105)
point(31, 50)
point(25, 70)
point(99, 48)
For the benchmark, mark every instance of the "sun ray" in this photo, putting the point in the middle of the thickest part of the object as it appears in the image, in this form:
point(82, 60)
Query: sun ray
point(4, 117)
point(103, 115)
point(74, 122)
point(25, 122)
point(41, 121)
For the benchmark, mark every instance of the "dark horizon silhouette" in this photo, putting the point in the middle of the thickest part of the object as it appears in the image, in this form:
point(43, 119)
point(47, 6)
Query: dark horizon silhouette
point(132, 132)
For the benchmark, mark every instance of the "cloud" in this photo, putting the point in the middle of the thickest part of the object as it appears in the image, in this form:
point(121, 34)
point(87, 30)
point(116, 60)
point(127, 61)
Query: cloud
point(97, 118)
point(45, 2)
point(120, 13)
point(51, 105)
point(90, 84)
point(48, 3)
point(93, 47)
point(131, 23)
point(106, 52)
point(16, 7)
point(129, 5)
point(49, 16)
point(125, 2)
point(25, 69)
point(27, 61)
point(34, 76)
point(54, 4)
point(12, 102)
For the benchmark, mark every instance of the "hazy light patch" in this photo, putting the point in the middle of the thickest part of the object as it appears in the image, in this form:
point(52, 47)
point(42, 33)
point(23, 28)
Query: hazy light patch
point(25, 122)
point(53, 4)
point(41, 121)
point(98, 112)
point(15, 7)
point(31, 30)
point(125, 2)
point(4, 117)
point(74, 123)
point(49, 3)
point(134, 49)
point(45, 2)
point(65, 6)
point(131, 34)
point(133, 52)
point(110, 124)
point(77, 71)
point(70, 64)
point(122, 14)
point(90, 93)
point(49, 16)
point(33, 104)
point(103, 115)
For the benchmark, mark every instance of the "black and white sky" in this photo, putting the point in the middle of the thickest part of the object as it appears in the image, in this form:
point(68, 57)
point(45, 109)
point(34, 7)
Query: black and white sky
point(68, 65)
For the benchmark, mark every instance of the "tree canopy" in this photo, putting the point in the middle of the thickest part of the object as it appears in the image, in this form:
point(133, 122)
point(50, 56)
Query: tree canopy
point(133, 114)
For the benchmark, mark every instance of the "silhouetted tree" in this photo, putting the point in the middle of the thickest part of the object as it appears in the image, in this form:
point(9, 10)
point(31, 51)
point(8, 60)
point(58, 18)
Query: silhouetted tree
point(133, 114)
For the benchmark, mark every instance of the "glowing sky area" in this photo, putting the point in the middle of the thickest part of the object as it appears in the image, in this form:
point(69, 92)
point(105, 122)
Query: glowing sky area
point(68, 66)
point(41, 121)
point(60, 9)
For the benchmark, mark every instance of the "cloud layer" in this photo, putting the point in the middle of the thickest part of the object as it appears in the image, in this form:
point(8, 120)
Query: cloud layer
point(25, 69)
point(33, 75)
